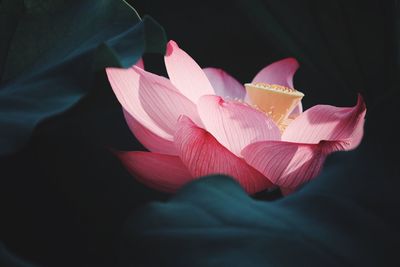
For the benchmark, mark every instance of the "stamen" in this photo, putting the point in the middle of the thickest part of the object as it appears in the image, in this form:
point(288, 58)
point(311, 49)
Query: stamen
point(275, 100)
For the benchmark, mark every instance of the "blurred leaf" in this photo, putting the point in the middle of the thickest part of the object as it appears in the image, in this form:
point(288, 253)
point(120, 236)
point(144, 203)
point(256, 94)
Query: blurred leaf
point(64, 206)
point(47, 31)
point(7, 259)
point(336, 220)
point(10, 11)
point(54, 53)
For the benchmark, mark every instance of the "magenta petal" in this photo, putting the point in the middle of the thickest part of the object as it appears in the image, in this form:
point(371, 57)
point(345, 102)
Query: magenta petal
point(162, 103)
point(280, 72)
point(185, 74)
point(161, 172)
point(224, 84)
point(286, 164)
point(234, 124)
point(150, 140)
point(125, 84)
point(203, 155)
point(323, 122)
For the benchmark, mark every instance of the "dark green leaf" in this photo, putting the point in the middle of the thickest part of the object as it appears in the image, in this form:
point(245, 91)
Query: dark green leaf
point(54, 53)
point(7, 259)
point(336, 220)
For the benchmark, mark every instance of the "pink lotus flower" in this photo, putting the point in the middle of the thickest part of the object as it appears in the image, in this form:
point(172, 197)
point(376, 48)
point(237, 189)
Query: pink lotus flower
point(201, 122)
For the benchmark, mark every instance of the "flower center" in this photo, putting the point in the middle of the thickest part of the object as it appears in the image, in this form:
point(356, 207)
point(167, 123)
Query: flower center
point(276, 101)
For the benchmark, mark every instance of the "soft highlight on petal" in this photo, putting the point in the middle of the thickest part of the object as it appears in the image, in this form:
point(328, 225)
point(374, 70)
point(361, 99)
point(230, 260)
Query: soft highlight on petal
point(185, 74)
point(235, 125)
point(280, 72)
point(161, 172)
point(162, 103)
point(286, 164)
point(203, 155)
point(125, 84)
point(224, 84)
point(324, 122)
point(148, 139)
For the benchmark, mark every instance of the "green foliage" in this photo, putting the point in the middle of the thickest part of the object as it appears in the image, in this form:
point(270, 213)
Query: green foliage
point(51, 51)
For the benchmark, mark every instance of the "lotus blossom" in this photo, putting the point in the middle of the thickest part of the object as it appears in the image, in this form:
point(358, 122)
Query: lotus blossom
point(203, 121)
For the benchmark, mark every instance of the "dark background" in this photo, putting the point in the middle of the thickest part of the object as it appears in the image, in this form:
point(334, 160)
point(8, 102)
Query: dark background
point(65, 198)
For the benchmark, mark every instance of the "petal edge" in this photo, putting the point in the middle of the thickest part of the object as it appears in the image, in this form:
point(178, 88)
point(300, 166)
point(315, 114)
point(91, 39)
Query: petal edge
point(149, 139)
point(329, 123)
point(280, 72)
point(161, 172)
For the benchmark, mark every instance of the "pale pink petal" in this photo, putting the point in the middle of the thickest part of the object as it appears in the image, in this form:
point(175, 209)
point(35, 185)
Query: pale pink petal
point(247, 99)
point(323, 122)
point(280, 72)
point(203, 155)
point(125, 84)
point(185, 74)
point(163, 104)
point(162, 172)
point(286, 164)
point(296, 111)
point(293, 115)
point(155, 78)
point(224, 84)
point(234, 124)
point(140, 63)
point(147, 138)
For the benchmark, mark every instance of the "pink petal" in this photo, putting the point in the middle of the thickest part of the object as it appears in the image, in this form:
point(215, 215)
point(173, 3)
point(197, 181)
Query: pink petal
point(293, 115)
point(224, 84)
point(150, 140)
point(162, 103)
point(154, 78)
point(286, 164)
point(140, 63)
point(296, 111)
point(203, 155)
point(323, 122)
point(185, 74)
point(280, 72)
point(235, 125)
point(161, 172)
point(125, 84)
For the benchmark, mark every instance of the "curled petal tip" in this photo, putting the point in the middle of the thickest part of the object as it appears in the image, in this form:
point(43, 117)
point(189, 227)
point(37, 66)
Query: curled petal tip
point(171, 45)
point(185, 73)
point(361, 102)
point(140, 63)
point(280, 72)
point(293, 60)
